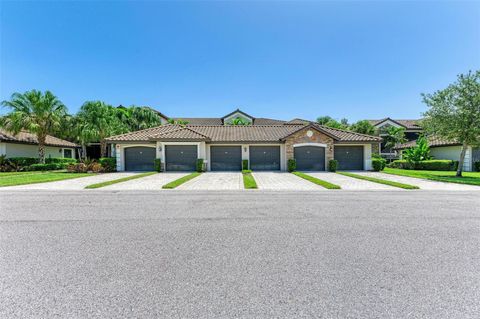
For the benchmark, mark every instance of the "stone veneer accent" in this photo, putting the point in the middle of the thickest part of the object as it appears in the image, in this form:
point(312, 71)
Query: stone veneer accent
point(301, 137)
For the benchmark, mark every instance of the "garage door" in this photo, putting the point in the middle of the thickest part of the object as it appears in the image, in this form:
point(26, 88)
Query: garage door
point(265, 158)
point(310, 158)
point(139, 158)
point(181, 157)
point(349, 157)
point(225, 158)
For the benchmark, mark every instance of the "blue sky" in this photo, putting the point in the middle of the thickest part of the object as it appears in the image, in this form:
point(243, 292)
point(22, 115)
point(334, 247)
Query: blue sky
point(271, 59)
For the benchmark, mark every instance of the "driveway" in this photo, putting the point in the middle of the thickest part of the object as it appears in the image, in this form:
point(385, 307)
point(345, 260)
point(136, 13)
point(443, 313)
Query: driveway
point(281, 181)
point(80, 254)
point(349, 183)
point(422, 183)
point(152, 182)
point(76, 183)
point(215, 181)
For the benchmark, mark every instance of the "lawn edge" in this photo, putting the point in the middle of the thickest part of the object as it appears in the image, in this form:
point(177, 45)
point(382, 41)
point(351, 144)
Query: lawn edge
point(118, 180)
point(181, 180)
point(316, 181)
point(73, 176)
point(380, 181)
point(433, 178)
point(249, 178)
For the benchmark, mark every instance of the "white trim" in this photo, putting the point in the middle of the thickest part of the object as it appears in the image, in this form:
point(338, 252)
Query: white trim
point(388, 122)
point(325, 146)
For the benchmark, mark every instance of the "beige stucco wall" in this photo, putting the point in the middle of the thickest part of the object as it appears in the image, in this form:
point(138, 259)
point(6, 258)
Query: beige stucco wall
point(453, 153)
point(301, 137)
point(29, 150)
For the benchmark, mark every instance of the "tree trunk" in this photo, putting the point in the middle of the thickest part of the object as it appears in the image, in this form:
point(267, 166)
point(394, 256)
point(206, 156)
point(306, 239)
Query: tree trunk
point(103, 148)
point(84, 151)
point(41, 148)
point(462, 159)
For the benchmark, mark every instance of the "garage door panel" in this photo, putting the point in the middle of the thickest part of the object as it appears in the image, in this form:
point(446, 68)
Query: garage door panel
point(181, 157)
point(225, 158)
point(310, 158)
point(265, 158)
point(139, 158)
point(349, 157)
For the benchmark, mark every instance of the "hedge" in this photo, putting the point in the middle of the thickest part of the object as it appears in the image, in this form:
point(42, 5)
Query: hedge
point(23, 161)
point(430, 165)
point(45, 167)
point(60, 160)
point(378, 164)
point(476, 165)
point(109, 164)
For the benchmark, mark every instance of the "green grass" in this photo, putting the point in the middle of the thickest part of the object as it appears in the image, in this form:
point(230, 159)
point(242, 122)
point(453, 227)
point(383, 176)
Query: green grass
point(248, 180)
point(181, 180)
point(379, 181)
point(120, 180)
point(470, 178)
point(24, 178)
point(317, 181)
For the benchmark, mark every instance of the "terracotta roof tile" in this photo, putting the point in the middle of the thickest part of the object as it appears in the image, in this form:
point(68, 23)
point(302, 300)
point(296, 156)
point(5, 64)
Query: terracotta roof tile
point(433, 141)
point(29, 138)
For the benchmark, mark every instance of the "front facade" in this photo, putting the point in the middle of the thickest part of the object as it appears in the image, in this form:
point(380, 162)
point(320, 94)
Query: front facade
point(266, 144)
point(25, 144)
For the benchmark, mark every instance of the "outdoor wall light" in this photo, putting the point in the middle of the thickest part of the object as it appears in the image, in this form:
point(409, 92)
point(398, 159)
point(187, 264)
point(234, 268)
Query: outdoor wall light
point(245, 149)
point(159, 148)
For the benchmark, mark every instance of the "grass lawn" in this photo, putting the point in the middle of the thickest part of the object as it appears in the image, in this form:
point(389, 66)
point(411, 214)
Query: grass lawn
point(470, 178)
point(24, 178)
point(379, 181)
point(317, 181)
point(120, 180)
point(181, 180)
point(248, 180)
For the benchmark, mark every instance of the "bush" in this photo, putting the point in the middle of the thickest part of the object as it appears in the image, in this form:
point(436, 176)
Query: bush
point(332, 165)
point(77, 168)
point(246, 171)
point(429, 165)
point(5, 164)
point(60, 160)
point(44, 167)
point(96, 168)
point(157, 164)
point(244, 164)
point(378, 164)
point(291, 165)
point(200, 165)
point(23, 161)
point(476, 166)
point(109, 164)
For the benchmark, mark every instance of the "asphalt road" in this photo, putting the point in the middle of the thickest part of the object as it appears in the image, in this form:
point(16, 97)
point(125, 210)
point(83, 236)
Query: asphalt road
point(239, 254)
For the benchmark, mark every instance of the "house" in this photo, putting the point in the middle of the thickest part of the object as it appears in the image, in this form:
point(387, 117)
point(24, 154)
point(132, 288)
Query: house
point(25, 144)
point(267, 144)
point(449, 150)
point(412, 132)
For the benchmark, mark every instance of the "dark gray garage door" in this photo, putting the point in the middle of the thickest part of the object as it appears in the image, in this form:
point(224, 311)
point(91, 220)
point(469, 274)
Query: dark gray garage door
point(349, 157)
point(139, 158)
point(225, 158)
point(310, 158)
point(265, 158)
point(181, 157)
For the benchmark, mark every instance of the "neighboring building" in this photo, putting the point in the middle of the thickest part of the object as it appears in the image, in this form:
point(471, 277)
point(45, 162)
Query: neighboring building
point(449, 150)
point(412, 131)
point(25, 144)
point(266, 143)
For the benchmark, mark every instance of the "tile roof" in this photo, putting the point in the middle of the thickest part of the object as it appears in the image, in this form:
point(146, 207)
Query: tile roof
point(29, 138)
point(218, 121)
point(408, 124)
point(236, 133)
point(433, 141)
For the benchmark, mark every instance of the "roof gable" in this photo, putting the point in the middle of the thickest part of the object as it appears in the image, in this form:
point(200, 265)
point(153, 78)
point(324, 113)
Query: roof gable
point(237, 114)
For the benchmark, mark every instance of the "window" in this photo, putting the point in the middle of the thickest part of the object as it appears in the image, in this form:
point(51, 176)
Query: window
point(67, 153)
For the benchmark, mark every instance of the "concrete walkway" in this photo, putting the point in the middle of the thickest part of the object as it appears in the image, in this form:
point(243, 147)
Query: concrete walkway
point(283, 181)
point(215, 181)
point(422, 183)
point(75, 183)
point(349, 183)
point(152, 182)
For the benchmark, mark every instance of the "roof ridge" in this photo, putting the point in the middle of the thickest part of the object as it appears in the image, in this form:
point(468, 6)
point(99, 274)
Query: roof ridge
point(346, 131)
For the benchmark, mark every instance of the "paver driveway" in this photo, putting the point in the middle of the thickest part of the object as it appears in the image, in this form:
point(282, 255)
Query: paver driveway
point(76, 183)
point(349, 183)
point(215, 181)
point(283, 181)
point(422, 183)
point(152, 182)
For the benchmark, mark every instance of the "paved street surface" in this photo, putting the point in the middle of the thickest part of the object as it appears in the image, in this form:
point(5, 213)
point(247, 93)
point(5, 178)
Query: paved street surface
point(282, 181)
point(215, 181)
point(239, 254)
point(350, 183)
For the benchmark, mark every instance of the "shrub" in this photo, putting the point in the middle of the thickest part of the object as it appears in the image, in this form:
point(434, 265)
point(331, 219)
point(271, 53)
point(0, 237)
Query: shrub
point(5, 164)
point(96, 168)
point(200, 165)
point(244, 164)
point(291, 165)
point(246, 171)
point(77, 168)
point(44, 167)
point(378, 164)
point(157, 164)
point(476, 165)
point(420, 152)
point(23, 161)
point(332, 165)
point(430, 165)
point(402, 164)
point(109, 164)
point(60, 160)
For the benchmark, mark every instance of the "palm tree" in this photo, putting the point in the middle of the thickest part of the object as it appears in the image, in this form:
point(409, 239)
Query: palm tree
point(394, 137)
point(138, 118)
point(96, 121)
point(36, 112)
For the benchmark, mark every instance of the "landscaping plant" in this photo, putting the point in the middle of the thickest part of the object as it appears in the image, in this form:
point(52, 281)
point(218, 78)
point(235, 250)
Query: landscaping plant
point(244, 164)
point(420, 152)
point(291, 165)
point(157, 165)
point(332, 165)
point(200, 166)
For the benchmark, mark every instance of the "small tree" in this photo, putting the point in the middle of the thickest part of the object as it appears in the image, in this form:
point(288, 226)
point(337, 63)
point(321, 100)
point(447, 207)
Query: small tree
point(330, 122)
point(363, 127)
point(420, 152)
point(454, 113)
point(395, 136)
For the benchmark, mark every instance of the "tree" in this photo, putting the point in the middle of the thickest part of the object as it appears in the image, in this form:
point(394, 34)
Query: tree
point(395, 136)
point(177, 121)
point(322, 120)
point(36, 112)
point(454, 113)
point(138, 118)
point(238, 121)
point(330, 122)
point(363, 127)
point(95, 121)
